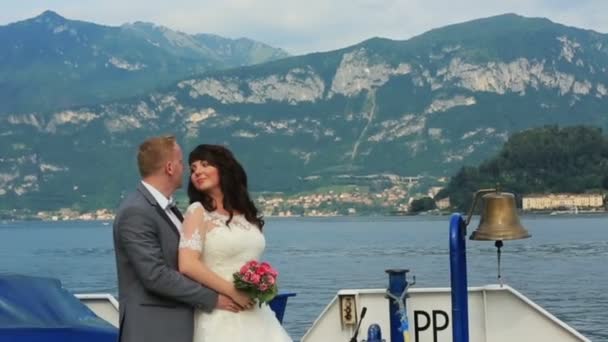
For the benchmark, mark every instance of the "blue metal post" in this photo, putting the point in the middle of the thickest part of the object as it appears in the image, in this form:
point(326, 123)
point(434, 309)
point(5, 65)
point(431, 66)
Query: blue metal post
point(458, 278)
point(396, 285)
point(374, 334)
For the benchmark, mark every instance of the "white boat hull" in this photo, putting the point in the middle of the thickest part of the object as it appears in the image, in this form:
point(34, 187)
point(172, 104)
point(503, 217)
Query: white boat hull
point(104, 305)
point(496, 314)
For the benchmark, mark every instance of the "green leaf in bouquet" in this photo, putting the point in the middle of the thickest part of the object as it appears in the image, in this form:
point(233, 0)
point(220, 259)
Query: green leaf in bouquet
point(267, 296)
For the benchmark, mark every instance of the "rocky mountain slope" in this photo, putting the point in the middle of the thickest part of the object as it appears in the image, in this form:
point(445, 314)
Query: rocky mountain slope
point(424, 106)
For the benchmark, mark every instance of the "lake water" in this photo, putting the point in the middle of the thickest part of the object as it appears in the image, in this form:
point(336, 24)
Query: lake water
point(563, 267)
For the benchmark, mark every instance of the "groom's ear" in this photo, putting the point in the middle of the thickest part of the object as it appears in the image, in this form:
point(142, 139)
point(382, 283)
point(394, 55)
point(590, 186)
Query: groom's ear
point(169, 168)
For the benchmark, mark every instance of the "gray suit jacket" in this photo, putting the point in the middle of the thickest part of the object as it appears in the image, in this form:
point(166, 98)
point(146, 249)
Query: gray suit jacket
point(156, 301)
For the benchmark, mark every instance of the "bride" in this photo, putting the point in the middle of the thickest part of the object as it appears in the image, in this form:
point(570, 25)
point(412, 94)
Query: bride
point(221, 232)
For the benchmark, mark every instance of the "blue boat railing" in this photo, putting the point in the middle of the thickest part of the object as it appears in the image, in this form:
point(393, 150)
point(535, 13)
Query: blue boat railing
point(279, 303)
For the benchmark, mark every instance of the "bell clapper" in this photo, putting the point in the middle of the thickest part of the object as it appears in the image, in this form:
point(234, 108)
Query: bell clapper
point(498, 245)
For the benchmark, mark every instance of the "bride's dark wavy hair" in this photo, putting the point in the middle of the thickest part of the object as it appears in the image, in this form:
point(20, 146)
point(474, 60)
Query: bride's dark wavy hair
point(233, 183)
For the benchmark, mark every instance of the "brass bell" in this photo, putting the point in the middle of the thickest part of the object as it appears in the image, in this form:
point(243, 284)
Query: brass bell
point(499, 219)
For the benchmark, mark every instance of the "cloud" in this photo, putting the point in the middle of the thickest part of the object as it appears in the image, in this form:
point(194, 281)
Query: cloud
point(314, 25)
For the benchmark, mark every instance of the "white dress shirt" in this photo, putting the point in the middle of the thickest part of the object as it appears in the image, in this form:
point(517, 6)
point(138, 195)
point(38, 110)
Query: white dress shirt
point(164, 203)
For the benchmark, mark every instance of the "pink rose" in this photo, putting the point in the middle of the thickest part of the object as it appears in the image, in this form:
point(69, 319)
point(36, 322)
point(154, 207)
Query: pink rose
point(247, 277)
point(269, 280)
point(263, 287)
point(255, 279)
point(244, 269)
point(263, 269)
point(273, 272)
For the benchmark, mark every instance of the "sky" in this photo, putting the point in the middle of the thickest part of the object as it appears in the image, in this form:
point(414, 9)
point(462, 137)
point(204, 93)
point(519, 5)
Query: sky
point(304, 26)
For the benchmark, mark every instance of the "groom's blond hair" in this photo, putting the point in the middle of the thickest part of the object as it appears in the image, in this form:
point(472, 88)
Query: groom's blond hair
point(153, 153)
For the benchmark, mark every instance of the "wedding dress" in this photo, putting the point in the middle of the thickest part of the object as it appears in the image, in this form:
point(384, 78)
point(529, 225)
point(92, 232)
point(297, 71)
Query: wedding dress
point(224, 249)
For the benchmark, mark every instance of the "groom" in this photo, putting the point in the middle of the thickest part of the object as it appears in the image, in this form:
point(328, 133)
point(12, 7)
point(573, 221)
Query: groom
point(156, 301)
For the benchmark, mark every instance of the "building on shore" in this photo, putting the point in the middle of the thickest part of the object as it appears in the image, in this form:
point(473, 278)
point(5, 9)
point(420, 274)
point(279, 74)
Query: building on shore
point(562, 201)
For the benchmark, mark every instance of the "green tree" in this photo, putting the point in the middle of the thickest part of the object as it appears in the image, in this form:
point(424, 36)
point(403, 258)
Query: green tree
point(540, 160)
point(422, 204)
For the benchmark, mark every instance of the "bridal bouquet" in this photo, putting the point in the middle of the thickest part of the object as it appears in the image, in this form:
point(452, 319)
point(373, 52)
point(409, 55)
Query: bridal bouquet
point(258, 280)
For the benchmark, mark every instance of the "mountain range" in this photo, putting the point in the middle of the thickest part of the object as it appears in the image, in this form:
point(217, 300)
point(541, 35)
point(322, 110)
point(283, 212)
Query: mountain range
point(50, 62)
point(379, 110)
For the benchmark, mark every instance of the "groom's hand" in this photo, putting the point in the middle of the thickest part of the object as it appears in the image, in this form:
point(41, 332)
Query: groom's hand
point(226, 303)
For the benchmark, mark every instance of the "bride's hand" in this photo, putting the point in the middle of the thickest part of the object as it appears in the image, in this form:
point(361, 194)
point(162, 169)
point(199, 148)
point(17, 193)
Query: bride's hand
point(242, 299)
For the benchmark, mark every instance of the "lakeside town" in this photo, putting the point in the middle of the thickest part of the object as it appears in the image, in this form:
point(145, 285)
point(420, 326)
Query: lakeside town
point(357, 201)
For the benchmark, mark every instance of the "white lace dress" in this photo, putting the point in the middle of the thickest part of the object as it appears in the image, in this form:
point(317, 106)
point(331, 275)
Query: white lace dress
point(224, 249)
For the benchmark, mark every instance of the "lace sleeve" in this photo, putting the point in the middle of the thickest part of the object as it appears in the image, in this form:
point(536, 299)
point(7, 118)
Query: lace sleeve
point(190, 236)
